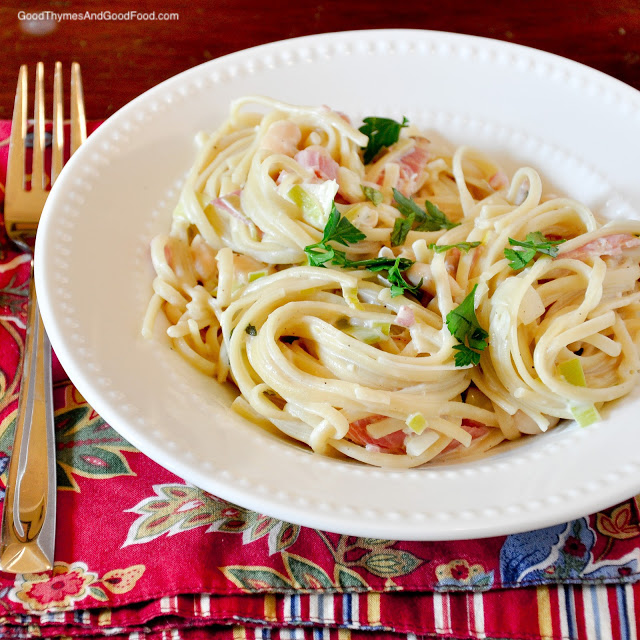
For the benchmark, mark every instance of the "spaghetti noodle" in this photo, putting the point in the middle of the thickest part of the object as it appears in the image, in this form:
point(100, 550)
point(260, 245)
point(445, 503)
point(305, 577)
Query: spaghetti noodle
point(416, 306)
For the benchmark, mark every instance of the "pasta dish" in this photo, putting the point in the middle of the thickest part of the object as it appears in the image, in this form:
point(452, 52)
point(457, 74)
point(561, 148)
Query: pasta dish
point(380, 296)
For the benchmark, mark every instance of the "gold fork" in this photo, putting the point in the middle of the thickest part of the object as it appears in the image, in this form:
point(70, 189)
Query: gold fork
point(27, 538)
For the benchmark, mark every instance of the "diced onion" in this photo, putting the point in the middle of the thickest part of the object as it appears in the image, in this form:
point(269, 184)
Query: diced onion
point(418, 444)
point(531, 307)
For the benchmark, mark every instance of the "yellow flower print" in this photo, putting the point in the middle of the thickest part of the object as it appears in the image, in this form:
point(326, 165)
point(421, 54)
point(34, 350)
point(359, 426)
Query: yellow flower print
point(55, 591)
point(122, 580)
point(459, 572)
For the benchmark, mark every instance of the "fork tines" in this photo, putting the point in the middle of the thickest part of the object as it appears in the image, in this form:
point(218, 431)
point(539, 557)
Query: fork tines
point(17, 197)
point(20, 122)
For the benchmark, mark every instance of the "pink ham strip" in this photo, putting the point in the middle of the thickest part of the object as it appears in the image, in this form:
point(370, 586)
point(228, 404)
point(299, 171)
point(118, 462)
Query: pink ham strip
point(392, 443)
point(405, 316)
point(411, 166)
point(318, 160)
point(225, 205)
point(498, 181)
point(612, 245)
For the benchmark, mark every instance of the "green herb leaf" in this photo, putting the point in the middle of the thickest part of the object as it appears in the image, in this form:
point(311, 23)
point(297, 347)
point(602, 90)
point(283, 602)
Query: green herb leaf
point(535, 242)
point(463, 246)
point(399, 285)
point(401, 228)
point(436, 219)
point(317, 257)
point(540, 243)
point(465, 356)
point(380, 264)
point(373, 195)
point(251, 330)
point(338, 229)
point(465, 328)
point(431, 219)
point(382, 132)
point(407, 206)
point(519, 259)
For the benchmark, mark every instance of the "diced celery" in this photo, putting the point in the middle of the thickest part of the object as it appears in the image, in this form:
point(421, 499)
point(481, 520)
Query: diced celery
point(311, 209)
point(254, 275)
point(315, 201)
point(585, 415)
point(571, 371)
point(416, 422)
point(361, 214)
point(368, 335)
point(383, 327)
point(351, 297)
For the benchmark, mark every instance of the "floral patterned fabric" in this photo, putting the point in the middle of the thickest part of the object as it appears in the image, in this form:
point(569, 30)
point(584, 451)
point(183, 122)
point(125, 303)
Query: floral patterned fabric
point(141, 553)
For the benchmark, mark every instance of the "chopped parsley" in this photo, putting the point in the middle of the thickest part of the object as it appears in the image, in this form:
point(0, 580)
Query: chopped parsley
point(379, 264)
point(373, 195)
point(463, 246)
point(382, 132)
point(465, 328)
point(535, 242)
point(399, 285)
point(339, 229)
point(251, 330)
point(401, 228)
point(429, 219)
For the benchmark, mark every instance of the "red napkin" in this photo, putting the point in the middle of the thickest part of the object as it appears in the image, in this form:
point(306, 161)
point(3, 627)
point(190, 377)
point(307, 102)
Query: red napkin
point(140, 553)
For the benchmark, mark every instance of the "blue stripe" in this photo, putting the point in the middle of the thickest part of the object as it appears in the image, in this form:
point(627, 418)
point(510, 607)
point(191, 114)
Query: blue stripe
point(570, 609)
point(347, 611)
point(295, 608)
point(623, 613)
point(596, 611)
point(266, 633)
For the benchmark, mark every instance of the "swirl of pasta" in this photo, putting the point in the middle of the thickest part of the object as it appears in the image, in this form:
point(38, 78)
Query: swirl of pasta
point(418, 306)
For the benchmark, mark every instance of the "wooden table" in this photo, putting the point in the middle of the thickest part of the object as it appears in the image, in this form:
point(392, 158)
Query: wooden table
point(122, 58)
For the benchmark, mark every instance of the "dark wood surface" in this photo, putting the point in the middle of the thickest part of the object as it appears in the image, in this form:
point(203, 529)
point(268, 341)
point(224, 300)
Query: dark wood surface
point(123, 58)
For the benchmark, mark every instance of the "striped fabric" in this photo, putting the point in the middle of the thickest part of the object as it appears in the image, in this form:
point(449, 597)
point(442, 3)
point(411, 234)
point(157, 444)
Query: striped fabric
point(580, 612)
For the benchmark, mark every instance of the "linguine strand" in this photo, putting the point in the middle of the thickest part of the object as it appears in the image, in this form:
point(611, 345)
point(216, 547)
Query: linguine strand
point(329, 356)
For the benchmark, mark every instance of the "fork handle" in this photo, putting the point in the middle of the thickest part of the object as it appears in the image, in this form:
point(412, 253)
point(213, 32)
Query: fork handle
point(27, 539)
